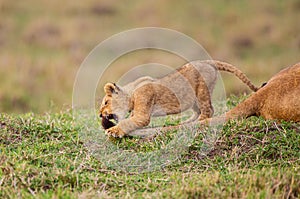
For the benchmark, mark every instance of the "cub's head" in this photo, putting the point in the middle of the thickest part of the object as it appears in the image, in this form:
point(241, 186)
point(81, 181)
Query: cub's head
point(114, 106)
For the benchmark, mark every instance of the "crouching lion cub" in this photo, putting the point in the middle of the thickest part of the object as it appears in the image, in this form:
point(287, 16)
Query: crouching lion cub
point(278, 99)
point(189, 87)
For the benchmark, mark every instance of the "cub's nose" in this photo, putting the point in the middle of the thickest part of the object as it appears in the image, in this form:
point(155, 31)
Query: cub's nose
point(100, 115)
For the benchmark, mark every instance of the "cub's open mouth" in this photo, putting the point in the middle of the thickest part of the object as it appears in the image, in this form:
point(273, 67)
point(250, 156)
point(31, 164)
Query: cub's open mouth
point(109, 121)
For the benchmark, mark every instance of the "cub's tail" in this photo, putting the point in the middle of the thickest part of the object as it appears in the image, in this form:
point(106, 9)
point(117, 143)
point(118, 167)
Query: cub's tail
point(223, 66)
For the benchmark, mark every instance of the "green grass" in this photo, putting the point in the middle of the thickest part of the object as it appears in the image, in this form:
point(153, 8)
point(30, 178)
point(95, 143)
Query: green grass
point(43, 156)
point(41, 48)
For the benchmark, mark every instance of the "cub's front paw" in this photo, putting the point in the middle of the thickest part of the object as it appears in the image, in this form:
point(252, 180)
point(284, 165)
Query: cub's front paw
point(115, 132)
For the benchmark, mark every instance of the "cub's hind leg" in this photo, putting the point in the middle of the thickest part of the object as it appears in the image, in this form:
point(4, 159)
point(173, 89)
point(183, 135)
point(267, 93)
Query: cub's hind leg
point(204, 100)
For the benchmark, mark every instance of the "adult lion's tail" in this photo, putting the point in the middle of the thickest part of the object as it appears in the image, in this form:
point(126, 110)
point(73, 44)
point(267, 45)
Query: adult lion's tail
point(223, 66)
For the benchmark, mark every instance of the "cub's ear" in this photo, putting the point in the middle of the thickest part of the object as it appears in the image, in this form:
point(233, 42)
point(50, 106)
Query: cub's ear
point(111, 88)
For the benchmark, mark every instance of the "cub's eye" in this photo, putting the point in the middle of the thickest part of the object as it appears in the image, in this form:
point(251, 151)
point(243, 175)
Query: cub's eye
point(106, 102)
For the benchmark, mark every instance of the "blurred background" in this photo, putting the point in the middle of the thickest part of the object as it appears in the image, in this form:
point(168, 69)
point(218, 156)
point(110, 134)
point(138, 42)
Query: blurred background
point(43, 43)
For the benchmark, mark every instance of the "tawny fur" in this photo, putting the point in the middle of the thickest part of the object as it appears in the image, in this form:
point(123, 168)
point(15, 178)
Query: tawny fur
point(189, 87)
point(279, 99)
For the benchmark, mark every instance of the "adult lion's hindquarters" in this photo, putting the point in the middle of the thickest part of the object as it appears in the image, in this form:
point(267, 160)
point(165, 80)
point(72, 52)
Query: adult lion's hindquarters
point(278, 99)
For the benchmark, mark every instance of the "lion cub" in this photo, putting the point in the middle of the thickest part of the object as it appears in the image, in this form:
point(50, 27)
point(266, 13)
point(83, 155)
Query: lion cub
point(189, 87)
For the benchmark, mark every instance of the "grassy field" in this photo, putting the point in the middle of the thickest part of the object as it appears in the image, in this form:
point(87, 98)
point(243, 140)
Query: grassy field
point(42, 156)
point(42, 44)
